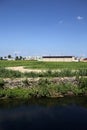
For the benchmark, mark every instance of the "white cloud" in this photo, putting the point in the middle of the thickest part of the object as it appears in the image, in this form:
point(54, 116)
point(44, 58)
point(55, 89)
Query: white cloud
point(79, 18)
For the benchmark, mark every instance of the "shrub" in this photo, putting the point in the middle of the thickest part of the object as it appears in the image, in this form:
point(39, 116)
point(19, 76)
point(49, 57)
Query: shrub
point(4, 73)
point(82, 72)
point(83, 82)
point(44, 82)
point(2, 83)
point(31, 74)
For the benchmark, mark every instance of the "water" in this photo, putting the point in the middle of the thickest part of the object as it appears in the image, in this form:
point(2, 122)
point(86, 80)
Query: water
point(43, 114)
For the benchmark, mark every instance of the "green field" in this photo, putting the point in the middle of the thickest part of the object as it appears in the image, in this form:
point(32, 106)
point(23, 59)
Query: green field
point(45, 65)
point(44, 88)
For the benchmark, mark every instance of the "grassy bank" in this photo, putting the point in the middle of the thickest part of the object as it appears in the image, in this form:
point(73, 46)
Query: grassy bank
point(45, 88)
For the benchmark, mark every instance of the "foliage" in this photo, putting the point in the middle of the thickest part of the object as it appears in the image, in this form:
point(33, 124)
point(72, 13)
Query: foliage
point(9, 56)
point(1, 83)
point(15, 93)
point(83, 82)
point(45, 88)
point(4, 73)
point(44, 82)
point(82, 72)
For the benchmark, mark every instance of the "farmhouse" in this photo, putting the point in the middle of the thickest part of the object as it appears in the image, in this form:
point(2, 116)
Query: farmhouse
point(60, 58)
point(85, 60)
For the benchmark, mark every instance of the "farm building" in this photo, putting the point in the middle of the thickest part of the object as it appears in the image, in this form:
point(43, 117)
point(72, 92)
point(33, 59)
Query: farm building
point(60, 58)
point(85, 60)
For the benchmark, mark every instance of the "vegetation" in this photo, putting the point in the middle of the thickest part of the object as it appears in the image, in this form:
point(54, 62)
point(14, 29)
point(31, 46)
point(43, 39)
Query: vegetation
point(44, 65)
point(45, 88)
point(1, 83)
point(4, 73)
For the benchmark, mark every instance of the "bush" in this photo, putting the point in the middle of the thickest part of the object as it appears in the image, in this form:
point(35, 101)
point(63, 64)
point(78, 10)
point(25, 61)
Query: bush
point(1, 83)
point(83, 82)
point(82, 72)
point(44, 82)
point(4, 73)
point(31, 74)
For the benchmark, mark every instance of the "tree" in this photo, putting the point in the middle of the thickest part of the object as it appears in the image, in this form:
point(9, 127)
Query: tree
point(16, 58)
point(20, 58)
point(9, 56)
point(1, 58)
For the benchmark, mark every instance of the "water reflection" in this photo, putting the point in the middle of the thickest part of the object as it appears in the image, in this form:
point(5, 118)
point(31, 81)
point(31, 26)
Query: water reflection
point(61, 114)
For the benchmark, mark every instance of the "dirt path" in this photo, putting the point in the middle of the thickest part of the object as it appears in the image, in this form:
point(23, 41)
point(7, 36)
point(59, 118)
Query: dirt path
point(23, 70)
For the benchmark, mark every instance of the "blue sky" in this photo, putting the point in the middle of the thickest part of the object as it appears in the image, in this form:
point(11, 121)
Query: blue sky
point(43, 27)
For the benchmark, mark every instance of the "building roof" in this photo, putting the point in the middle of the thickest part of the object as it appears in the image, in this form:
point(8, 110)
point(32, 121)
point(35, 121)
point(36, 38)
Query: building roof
point(85, 59)
point(57, 56)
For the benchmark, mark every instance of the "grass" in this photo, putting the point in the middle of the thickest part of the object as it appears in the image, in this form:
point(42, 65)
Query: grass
point(15, 74)
point(4, 73)
point(45, 88)
point(15, 93)
point(45, 65)
point(61, 69)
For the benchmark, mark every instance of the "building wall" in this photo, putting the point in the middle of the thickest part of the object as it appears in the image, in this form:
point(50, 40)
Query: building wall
point(59, 59)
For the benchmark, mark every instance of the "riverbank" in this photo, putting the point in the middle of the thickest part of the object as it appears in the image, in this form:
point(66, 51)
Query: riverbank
point(43, 87)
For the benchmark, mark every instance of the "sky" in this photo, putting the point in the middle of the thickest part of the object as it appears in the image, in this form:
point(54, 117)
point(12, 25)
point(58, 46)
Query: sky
point(43, 27)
